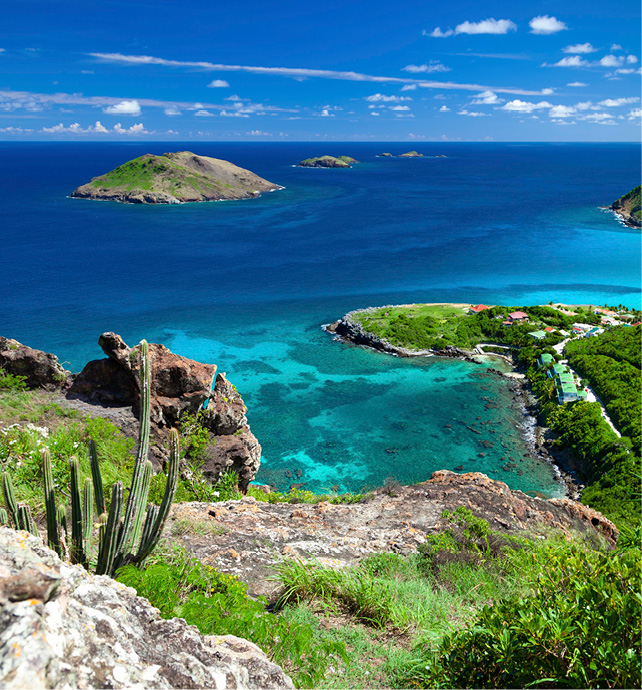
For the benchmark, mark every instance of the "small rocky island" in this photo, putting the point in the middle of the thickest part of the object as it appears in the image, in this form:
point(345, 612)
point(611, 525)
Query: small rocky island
point(175, 178)
point(408, 154)
point(328, 162)
point(627, 208)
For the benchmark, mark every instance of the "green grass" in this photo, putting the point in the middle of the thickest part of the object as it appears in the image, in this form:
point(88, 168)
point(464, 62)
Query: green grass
point(399, 615)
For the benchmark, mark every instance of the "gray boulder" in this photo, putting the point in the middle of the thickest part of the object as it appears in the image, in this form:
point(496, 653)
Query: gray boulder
point(61, 627)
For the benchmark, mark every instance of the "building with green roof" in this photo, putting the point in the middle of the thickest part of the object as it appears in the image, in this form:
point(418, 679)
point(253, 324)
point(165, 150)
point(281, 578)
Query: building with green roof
point(538, 335)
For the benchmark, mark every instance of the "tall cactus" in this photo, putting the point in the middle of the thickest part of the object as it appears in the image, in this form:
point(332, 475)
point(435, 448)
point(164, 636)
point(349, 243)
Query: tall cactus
point(53, 535)
point(122, 539)
point(98, 480)
point(10, 498)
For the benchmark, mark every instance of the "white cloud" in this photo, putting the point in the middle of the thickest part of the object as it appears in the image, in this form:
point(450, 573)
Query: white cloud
point(444, 109)
point(124, 108)
point(205, 113)
point(574, 61)
point(295, 72)
point(134, 129)
point(14, 130)
point(587, 105)
point(399, 107)
point(259, 133)
point(487, 98)
point(233, 97)
point(631, 59)
point(627, 70)
point(577, 84)
point(561, 111)
point(218, 84)
point(635, 114)
point(235, 113)
point(611, 61)
point(326, 113)
point(379, 97)
point(617, 102)
point(471, 114)
point(486, 26)
point(597, 117)
point(97, 128)
point(433, 66)
point(544, 25)
point(409, 87)
point(6, 128)
point(438, 33)
point(525, 106)
point(579, 48)
point(375, 114)
point(616, 46)
point(172, 111)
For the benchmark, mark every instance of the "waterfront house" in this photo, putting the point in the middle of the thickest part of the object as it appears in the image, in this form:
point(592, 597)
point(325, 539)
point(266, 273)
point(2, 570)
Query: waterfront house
point(476, 309)
point(544, 359)
point(548, 329)
point(538, 335)
point(518, 316)
point(593, 332)
point(507, 323)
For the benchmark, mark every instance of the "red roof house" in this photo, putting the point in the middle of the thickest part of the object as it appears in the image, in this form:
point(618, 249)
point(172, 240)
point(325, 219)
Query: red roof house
point(478, 308)
point(518, 316)
point(548, 329)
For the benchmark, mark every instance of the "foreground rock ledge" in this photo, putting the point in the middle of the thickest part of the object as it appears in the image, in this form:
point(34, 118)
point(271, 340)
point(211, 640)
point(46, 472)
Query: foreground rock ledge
point(247, 537)
point(61, 627)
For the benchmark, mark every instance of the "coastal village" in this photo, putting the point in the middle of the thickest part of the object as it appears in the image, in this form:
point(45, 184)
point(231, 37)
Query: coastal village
point(569, 386)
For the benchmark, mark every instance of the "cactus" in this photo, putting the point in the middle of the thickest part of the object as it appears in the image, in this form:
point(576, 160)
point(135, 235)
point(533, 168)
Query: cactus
point(53, 536)
point(96, 476)
point(152, 534)
point(4, 517)
point(121, 539)
point(77, 554)
point(10, 498)
point(24, 520)
point(87, 518)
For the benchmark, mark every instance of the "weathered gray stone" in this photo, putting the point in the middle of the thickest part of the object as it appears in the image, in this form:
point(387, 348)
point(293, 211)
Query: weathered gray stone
point(61, 627)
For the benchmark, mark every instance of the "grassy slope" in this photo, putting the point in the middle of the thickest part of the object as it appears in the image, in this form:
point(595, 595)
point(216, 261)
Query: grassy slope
point(154, 173)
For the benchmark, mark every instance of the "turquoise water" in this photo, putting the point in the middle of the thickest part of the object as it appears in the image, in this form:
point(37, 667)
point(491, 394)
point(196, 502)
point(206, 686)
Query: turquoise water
point(248, 284)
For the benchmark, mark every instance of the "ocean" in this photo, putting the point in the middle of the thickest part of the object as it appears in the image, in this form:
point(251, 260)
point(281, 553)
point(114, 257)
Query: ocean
point(247, 285)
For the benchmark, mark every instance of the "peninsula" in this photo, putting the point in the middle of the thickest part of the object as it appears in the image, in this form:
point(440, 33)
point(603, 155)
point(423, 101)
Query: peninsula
point(328, 162)
point(627, 208)
point(174, 178)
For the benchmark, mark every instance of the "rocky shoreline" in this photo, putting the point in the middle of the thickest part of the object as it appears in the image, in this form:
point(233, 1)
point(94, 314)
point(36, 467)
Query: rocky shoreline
point(538, 437)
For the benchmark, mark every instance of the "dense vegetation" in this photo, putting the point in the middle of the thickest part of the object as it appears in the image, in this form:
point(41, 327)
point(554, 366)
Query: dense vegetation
point(630, 203)
point(437, 326)
point(611, 363)
point(474, 608)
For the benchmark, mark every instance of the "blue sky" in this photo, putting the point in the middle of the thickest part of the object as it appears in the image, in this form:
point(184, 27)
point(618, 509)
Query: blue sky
point(558, 70)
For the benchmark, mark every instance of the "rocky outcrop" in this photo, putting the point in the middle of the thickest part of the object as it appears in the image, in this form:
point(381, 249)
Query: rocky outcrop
point(349, 329)
point(411, 154)
point(40, 369)
point(179, 385)
point(61, 627)
point(246, 535)
point(627, 208)
point(175, 178)
point(328, 162)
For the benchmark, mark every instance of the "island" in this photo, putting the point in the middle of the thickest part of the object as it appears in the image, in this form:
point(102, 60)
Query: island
point(627, 207)
point(328, 162)
point(174, 178)
point(408, 154)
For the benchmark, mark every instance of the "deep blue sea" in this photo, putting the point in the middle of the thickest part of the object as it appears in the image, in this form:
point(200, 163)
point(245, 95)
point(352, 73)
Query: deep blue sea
point(248, 284)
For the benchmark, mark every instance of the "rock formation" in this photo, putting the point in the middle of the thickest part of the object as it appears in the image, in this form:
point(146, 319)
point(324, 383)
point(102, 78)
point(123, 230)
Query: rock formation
point(250, 533)
point(61, 627)
point(411, 154)
point(179, 385)
point(628, 208)
point(175, 178)
point(41, 369)
point(328, 162)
